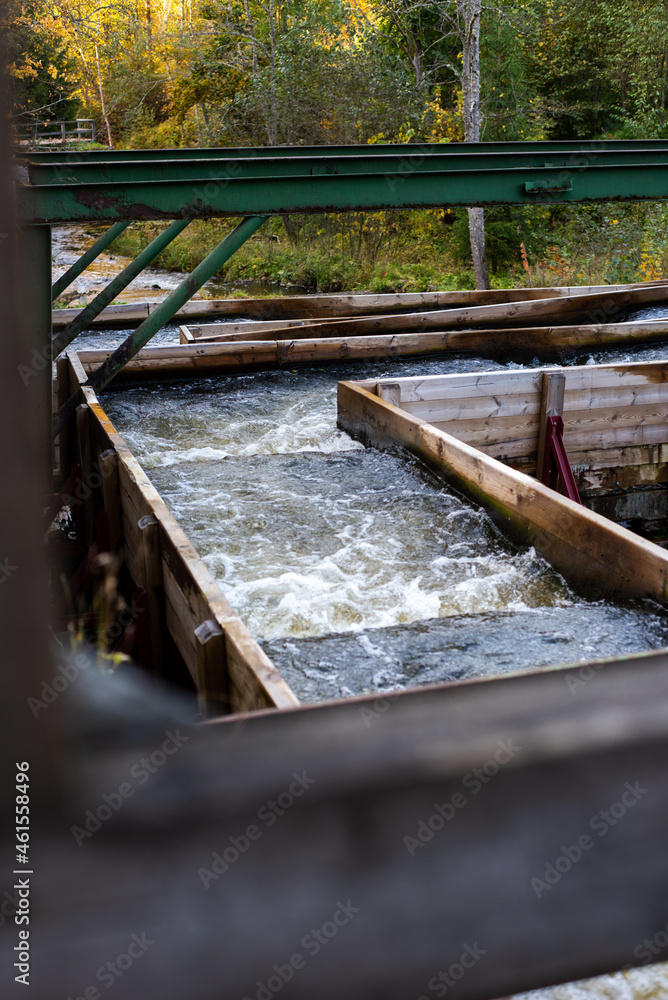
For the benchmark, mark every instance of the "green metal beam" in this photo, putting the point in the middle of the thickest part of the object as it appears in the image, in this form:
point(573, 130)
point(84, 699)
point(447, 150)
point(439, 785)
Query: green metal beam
point(65, 280)
point(116, 286)
point(374, 162)
point(398, 149)
point(164, 313)
point(405, 188)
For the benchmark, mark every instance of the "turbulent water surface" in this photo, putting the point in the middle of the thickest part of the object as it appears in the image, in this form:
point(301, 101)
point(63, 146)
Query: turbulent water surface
point(312, 537)
point(360, 571)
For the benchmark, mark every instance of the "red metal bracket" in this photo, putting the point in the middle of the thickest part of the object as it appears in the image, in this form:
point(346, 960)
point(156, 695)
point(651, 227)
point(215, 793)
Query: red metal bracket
point(556, 467)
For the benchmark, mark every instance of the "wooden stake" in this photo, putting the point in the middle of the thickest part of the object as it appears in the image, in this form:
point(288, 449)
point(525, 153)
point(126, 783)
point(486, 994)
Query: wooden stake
point(151, 563)
point(212, 687)
point(112, 496)
point(85, 460)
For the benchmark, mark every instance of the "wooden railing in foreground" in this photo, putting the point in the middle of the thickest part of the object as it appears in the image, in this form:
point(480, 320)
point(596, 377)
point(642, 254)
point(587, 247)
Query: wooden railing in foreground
point(229, 669)
point(520, 822)
point(585, 547)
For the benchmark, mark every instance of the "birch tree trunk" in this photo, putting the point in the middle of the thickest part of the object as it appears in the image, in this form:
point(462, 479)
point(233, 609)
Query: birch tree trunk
point(102, 103)
point(469, 13)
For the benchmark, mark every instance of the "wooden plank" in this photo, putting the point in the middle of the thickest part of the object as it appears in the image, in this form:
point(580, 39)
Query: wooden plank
point(84, 442)
point(579, 378)
point(584, 547)
point(551, 405)
point(255, 683)
point(306, 306)
point(212, 675)
point(595, 308)
point(111, 496)
point(152, 582)
point(555, 750)
point(181, 622)
point(192, 596)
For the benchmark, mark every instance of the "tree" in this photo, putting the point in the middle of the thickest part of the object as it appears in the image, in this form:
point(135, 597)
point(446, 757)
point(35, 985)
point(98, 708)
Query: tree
point(443, 36)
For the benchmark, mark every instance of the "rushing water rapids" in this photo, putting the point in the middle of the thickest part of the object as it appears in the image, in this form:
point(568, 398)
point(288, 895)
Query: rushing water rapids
point(331, 553)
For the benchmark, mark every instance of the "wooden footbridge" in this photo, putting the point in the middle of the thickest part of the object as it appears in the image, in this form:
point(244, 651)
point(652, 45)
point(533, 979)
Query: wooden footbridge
point(383, 871)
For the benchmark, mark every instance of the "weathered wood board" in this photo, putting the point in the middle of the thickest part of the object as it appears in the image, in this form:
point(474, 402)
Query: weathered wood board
point(241, 354)
point(191, 595)
point(460, 820)
point(311, 306)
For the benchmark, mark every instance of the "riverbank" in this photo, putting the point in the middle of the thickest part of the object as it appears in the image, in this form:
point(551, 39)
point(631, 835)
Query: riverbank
point(428, 250)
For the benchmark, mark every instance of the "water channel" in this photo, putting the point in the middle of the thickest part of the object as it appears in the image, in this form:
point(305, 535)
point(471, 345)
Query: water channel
point(359, 570)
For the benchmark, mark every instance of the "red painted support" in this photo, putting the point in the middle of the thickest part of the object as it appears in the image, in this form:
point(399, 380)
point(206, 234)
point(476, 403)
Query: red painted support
point(556, 467)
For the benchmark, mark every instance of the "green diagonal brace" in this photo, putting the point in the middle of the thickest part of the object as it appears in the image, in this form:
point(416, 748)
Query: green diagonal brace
point(115, 287)
point(164, 313)
point(65, 280)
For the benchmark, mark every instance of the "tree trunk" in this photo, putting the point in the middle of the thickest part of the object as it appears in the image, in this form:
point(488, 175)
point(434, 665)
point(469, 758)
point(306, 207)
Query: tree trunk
point(470, 11)
point(102, 104)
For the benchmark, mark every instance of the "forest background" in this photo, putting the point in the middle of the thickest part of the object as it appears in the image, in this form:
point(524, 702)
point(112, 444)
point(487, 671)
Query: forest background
point(172, 73)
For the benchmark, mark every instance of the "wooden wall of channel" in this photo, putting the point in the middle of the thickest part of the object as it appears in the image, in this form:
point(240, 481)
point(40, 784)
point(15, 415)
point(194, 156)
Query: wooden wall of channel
point(230, 670)
point(589, 550)
point(615, 428)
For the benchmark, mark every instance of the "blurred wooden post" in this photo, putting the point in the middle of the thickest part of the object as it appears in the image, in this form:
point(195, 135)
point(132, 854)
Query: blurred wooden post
point(28, 734)
point(151, 562)
point(551, 405)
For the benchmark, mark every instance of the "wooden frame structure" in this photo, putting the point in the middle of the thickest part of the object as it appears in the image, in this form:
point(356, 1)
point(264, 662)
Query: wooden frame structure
point(229, 670)
point(470, 426)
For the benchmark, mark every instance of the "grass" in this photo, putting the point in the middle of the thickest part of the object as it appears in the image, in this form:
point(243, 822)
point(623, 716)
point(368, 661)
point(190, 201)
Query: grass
point(426, 251)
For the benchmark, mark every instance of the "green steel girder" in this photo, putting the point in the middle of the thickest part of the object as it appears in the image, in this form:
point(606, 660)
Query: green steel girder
point(403, 188)
point(374, 162)
point(277, 152)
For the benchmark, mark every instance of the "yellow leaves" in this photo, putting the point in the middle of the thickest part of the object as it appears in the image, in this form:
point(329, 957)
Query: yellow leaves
point(52, 71)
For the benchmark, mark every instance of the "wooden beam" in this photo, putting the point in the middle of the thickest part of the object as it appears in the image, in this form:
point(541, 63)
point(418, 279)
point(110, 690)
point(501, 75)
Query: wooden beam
point(328, 306)
point(192, 596)
point(378, 839)
point(152, 582)
point(551, 405)
point(212, 677)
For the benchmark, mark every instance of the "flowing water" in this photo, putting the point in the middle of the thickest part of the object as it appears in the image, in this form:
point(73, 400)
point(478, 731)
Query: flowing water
point(327, 549)
point(359, 570)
